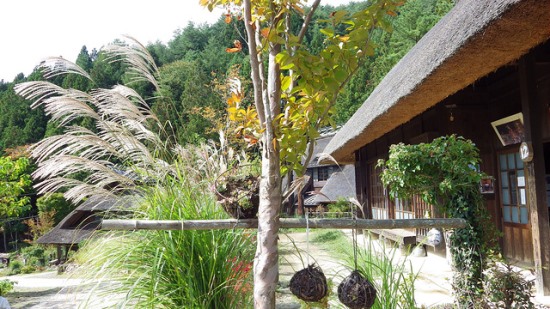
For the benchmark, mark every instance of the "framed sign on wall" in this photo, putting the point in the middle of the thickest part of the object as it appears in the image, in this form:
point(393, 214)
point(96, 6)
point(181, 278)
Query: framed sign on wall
point(510, 130)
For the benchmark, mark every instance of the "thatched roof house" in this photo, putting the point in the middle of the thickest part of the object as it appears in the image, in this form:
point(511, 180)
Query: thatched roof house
point(473, 39)
point(489, 63)
point(340, 185)
point(83, 221)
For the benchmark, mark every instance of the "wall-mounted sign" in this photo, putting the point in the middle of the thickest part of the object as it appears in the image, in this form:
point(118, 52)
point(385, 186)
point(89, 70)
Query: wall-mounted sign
point(487, 185)
point(510, 129)
point(526, 152)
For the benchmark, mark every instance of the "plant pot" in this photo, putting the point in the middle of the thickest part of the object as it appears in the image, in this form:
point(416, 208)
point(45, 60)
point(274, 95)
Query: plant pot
point(309, 284)
point(356, 292)
point(240, 197)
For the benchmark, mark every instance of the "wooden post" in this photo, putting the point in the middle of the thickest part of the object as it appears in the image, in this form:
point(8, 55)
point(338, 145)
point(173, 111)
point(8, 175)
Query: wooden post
point(284, 223)
point(535, 176)
point(59, 254)
point(362, 182)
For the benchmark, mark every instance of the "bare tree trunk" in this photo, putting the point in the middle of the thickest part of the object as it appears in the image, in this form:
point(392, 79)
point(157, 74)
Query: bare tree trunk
point(266, 268)
point(266, 264)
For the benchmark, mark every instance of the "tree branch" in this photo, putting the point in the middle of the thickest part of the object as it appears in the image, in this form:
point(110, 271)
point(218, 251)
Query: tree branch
point(255, 60)
point(307, 21)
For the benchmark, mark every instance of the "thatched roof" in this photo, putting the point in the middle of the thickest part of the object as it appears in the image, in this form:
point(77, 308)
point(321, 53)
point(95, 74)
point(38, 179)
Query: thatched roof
point(80, 224)
point(340, 185)
point(310, 201)
point(320, 145)
point(474, 39)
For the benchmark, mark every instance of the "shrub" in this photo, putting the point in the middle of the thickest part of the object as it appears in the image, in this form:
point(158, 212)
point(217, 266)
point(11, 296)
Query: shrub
point(34, 255)
point(508, 288)
point(54, 202)
point(444, 173)
point(6, 286)
point(27, 269)
point(15, 267)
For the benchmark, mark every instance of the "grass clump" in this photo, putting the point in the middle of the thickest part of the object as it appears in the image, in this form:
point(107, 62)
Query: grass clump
point(392, 276)
point(175, 269)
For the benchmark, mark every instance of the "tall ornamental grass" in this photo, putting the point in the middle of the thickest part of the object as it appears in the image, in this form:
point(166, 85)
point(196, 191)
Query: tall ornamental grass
point(173, 269)
point(127, 152)
point(392, 276)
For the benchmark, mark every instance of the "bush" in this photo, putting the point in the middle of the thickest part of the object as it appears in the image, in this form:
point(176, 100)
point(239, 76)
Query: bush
point(507, 288)
point(34, 255)
point(15, 267)
point(28, 269)
point(6, 286)
point(55, 202)
point(340, 206)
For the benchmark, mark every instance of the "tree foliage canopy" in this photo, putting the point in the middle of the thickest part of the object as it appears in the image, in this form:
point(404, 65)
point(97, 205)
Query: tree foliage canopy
point(15, 181)
point(203, 47)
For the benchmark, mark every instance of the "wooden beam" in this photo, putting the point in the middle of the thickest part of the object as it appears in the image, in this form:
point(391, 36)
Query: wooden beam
point(285, 223)
point(535, 176)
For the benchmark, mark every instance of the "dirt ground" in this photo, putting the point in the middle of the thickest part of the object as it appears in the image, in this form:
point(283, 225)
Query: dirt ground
point(51, 291)
point(48, 290)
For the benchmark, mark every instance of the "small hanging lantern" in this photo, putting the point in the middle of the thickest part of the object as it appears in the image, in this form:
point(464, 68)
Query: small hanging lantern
point(434, 237)
point(309, 284)
point(356, 291)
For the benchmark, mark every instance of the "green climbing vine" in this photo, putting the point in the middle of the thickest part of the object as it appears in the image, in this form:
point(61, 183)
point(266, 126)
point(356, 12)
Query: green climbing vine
point(445, 173)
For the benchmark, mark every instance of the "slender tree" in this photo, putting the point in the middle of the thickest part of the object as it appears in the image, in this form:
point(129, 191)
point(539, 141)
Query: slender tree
point(293, 97)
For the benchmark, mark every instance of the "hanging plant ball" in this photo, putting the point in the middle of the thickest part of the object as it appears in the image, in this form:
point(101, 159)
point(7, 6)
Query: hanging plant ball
point(309, 284)
point(356, 291)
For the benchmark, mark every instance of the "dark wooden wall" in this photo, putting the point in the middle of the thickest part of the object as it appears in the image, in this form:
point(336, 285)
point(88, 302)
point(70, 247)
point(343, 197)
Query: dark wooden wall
point(493, 97)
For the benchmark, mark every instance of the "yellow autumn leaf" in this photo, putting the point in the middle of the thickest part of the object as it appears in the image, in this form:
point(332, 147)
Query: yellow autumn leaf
point(237, 47)
point(298, 8)
point(232, 50)
point(264, 32)
point(344, 38)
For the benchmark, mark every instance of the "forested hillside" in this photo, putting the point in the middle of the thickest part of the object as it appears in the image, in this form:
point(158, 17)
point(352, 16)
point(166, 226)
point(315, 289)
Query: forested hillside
point(194, 66)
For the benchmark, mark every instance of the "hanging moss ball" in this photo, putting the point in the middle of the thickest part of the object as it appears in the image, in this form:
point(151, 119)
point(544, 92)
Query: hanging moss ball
point(309, 284)
point(356, 291)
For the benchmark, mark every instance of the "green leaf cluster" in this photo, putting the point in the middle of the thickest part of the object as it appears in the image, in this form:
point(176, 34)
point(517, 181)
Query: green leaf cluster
point(445, 173)
point(15, 180)
point(436, 171)
point(54, 202)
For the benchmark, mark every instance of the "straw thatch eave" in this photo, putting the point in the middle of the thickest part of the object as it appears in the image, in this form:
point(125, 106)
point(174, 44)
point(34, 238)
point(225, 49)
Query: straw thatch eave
point(81, 223)
point(474, 39)
point(340, 185)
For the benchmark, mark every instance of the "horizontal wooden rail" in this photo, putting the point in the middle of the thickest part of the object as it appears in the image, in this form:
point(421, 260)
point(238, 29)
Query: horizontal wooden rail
point(284, 223)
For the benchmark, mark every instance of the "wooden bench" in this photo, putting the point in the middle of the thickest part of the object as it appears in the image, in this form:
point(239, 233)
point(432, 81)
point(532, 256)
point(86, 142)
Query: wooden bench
point(404, 238)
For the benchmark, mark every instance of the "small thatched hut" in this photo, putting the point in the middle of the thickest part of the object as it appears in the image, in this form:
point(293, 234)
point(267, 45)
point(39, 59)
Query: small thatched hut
point(82, 222)
point(340, 185)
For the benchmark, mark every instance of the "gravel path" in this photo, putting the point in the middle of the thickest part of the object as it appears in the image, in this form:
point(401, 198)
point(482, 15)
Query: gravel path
point(48, 290)
point(291, 262)
point(51, 291)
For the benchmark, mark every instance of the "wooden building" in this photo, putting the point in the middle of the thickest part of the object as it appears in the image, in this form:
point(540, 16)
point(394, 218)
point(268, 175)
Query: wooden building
point(483, 72)
point(81, 223)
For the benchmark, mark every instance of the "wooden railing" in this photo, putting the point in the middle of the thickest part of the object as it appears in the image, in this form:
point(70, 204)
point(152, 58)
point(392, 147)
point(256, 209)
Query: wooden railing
point(284, 223)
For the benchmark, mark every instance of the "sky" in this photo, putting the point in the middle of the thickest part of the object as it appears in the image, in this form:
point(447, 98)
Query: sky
point(32, 30)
